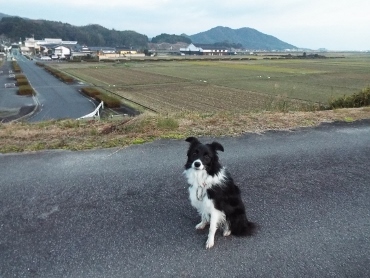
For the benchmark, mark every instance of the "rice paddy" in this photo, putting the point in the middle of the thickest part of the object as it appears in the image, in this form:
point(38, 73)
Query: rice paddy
point(228, 85)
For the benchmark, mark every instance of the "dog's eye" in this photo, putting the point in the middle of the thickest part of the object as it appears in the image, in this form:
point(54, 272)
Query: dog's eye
point(206, 156)
point(195, 153)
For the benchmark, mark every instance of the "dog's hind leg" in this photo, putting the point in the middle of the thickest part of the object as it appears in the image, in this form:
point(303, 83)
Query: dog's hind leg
point(227, 230)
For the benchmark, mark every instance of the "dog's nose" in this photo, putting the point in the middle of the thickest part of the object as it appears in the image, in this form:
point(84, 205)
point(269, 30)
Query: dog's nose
point(197, 164)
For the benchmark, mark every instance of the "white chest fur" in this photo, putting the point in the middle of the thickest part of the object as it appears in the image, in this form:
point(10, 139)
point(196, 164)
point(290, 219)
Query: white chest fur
point(199, 182)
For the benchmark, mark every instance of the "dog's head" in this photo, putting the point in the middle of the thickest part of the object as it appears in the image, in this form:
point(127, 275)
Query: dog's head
point(203, 156)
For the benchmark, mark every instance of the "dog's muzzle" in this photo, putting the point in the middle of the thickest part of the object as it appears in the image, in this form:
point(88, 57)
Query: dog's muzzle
point(198, 165)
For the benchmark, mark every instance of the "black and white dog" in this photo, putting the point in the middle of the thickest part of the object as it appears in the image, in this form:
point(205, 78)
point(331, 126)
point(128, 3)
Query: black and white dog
point(213, 192)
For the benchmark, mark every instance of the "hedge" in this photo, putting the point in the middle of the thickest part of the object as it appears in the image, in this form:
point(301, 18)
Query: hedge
point(25, 90)
point(22, 81)
point(109, 101)
point(64, 77)
point(16, 67)
point(356, 100)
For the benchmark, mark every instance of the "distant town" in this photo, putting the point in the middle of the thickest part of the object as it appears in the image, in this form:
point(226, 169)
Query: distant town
point(57, 49)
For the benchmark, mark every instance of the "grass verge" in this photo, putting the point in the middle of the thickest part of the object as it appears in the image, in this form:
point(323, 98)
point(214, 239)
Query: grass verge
point(82, 135)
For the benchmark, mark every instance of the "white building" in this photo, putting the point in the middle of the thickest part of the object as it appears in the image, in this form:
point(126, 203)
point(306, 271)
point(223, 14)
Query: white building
point(204, 49)
point(33, 44)
point(61, 51)
point(55, 41)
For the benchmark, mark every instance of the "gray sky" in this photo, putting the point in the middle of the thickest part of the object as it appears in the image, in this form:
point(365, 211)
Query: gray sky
point(331, 24)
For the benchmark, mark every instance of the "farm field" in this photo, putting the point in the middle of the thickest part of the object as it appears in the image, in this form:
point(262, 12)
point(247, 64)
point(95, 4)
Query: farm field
point(225, 85)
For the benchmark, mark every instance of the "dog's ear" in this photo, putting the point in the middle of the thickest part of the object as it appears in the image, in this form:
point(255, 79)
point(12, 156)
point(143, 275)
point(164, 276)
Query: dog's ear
point(217, 146)
point(192, 140)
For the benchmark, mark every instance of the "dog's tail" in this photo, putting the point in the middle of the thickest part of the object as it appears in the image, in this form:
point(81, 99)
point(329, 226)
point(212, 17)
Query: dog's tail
point(242, 227)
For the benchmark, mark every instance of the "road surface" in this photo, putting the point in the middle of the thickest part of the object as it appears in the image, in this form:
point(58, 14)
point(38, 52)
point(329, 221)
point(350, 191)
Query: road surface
point(126, 213)
point(56, 99)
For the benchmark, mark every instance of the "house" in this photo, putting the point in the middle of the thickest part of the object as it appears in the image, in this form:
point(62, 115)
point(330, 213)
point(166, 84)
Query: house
point(205, 49)
point(47, 44)
point(102, 50)
point(126, 51)
point(191, 49)
point(61, 51)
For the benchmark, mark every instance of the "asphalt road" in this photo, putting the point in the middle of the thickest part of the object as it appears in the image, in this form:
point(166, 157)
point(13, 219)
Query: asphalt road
point(126, 213)
point(57, 100)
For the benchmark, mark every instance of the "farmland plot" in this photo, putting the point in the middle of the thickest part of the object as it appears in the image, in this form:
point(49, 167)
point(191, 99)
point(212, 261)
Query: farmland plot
point(119, 76)
point(208, 86)
point(195, 97)
point(309, 80)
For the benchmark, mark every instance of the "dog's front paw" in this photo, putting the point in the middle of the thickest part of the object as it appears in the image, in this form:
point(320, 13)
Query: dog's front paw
point(210, 243)
point(201, 225)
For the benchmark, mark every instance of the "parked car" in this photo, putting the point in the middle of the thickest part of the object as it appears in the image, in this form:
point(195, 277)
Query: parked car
point(9, 85)
point(45, 58)
point(11, 75)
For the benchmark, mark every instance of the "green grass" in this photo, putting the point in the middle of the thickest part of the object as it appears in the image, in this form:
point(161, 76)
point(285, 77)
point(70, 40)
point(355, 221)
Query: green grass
point(167, 124)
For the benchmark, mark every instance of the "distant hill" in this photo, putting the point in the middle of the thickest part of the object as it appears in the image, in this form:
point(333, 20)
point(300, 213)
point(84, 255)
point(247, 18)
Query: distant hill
point(92, 35)
point(16, 28)
point(3, 15)
point(166, 38)
point(249, 38)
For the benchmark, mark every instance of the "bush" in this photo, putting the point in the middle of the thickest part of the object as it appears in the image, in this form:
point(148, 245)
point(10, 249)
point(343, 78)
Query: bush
point(64, 77)
point(91, 91)
point(16, 67)
point(22, 81)
point(20, 76)
point(25, 90)
point(109, 101)
point(356, 100)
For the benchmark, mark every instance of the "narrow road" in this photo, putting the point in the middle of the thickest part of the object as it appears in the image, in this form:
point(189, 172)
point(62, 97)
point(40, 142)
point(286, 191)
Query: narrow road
point(57, 99)
point(126, 213)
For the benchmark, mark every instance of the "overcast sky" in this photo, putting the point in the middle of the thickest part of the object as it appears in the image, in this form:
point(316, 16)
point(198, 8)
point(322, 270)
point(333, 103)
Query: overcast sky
point(331, 24)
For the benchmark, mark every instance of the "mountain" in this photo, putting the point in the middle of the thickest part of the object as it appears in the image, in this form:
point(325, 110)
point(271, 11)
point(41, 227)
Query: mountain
point(16, 28)
point(249, 38)
point(3, 15)
point(92, 35)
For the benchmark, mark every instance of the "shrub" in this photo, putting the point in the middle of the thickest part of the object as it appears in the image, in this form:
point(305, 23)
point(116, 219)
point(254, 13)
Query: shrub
point(91, 91)
point(25, 90)
point(22, 81)
point(356, 100)
point(109, 101)
point(64, 77)
point(20, 76)
point(16, 67)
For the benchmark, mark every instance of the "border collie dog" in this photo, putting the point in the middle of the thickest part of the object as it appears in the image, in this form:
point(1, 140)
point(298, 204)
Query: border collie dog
point(213, 193)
